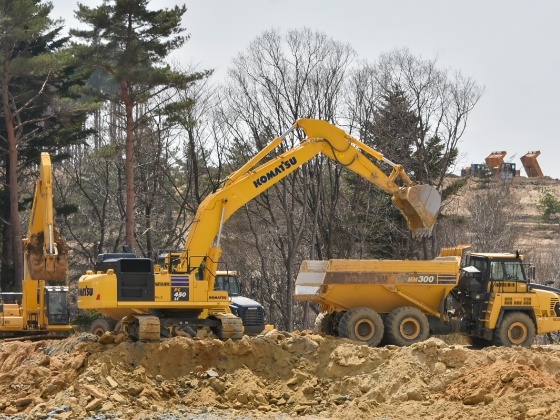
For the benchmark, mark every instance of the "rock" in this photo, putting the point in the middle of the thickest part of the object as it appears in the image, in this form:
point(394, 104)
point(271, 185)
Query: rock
point(107, 338)
point(210, 373)
point(94, 404)
point(118, 398)
point(94, 392)
point(77, 362)
point(107, 406)
point(475, 398)
point(23, 402)
point(10, 410)
point(536, 412)
point(217, 385)
point(135, 390)
point(112, 383)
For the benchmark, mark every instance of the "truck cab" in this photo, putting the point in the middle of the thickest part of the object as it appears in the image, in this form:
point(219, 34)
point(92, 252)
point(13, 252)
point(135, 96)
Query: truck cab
point(250, 311)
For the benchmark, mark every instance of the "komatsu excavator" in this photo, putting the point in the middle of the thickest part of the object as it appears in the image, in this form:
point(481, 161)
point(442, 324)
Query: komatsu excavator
point(41, 308)
point(181, 293)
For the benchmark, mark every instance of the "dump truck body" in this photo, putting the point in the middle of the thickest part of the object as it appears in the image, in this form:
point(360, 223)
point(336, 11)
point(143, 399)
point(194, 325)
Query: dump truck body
point(382, 285)
point(531, 165)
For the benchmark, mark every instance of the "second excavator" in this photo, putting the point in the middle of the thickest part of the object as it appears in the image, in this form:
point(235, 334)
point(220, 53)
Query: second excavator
point(180, 293)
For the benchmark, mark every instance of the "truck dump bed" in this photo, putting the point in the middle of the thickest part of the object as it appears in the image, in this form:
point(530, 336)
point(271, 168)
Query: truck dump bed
point(382, 285)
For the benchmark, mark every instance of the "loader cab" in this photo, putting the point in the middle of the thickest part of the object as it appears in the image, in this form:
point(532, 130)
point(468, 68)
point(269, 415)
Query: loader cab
point(488, 273)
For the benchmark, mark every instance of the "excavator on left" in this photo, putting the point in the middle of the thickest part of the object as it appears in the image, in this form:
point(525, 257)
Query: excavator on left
point(41, 308)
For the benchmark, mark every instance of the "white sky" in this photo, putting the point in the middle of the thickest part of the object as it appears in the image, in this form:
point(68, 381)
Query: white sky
point(511, 47)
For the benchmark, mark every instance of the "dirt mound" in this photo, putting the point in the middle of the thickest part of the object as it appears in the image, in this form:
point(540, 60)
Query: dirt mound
point(280, 375)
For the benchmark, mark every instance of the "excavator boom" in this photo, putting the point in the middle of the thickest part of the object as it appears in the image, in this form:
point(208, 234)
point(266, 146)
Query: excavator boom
point(419, 204)
point(45, 250)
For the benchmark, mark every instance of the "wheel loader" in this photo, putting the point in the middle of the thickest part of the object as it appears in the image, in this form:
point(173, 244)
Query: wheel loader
point(180, 295)
point(490, 297)
point(41, 308)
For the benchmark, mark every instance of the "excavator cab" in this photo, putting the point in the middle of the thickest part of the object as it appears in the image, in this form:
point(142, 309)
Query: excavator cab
point(57, 306)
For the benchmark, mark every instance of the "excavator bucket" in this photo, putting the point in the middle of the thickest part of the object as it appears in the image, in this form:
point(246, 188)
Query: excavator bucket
point(420, 206)
point(44, 266)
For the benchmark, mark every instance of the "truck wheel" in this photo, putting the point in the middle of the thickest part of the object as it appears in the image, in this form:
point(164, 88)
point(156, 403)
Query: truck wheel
point(405, 326)
point(323, 324)
point(363, 325)
point(516, 329)
point(101, 325)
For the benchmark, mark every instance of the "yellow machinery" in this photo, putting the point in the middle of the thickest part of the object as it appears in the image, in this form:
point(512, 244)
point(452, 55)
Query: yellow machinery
point(491, 299)
point(495, 160)
point(181, 293)
point(43, 307)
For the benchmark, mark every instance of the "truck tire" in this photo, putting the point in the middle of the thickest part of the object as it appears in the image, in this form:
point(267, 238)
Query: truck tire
point(363, 325)
point(101, 325)
point(516, 329)
point(405, 326)
point(323, 324)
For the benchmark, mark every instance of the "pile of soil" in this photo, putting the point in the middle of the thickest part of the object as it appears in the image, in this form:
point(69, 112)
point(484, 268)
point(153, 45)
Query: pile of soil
point(276, 376)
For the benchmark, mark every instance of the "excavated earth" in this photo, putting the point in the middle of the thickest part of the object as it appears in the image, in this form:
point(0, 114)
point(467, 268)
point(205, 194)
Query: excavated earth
point(275, 376)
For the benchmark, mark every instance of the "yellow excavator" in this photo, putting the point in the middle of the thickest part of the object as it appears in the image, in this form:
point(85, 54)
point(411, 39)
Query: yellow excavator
point(179, 291)
point(41, 308)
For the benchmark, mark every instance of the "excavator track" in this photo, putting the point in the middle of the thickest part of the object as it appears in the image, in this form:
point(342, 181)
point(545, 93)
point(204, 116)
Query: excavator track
point(141, 327)
point(32, 337)
point(231, 327)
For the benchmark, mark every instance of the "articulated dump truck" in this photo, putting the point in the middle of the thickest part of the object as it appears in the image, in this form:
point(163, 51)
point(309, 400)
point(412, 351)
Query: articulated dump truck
point(490, 297)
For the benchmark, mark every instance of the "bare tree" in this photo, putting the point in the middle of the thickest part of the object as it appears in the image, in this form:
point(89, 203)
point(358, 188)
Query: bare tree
point(491, 223)
point(279, 79)
point(441, 101)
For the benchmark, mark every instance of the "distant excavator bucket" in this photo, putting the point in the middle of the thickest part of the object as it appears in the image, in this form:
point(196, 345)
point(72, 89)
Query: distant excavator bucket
point(43, 266)
point(420, 206)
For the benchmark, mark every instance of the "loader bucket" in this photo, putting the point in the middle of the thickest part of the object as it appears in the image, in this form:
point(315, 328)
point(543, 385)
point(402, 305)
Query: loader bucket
point(420, 206)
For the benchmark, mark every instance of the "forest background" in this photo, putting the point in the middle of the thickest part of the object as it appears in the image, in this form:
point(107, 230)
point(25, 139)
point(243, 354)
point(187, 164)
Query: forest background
point(138, 142)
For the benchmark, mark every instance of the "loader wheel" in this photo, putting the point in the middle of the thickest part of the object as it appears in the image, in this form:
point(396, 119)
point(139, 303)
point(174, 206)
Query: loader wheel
point(405, 326)
point(324, 324)
point(101, 325)
point(516, 329)
point(363, 325)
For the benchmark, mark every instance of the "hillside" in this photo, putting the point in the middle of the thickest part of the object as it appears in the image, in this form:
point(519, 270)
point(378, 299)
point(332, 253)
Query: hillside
point(526, 193)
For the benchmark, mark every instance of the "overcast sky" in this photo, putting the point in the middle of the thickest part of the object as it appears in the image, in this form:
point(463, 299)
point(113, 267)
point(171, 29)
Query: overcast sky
point(511, 47)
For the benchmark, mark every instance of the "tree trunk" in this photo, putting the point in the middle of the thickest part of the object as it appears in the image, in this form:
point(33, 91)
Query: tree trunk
point(13, 183)
point(129, 166)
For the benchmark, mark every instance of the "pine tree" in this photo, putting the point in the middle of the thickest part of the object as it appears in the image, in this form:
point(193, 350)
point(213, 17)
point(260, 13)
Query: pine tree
point(37, 109)
point(128, 44)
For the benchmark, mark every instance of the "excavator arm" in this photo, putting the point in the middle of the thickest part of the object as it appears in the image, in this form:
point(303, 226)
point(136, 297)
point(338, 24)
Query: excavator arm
point(419, 204)
point(45, 250)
